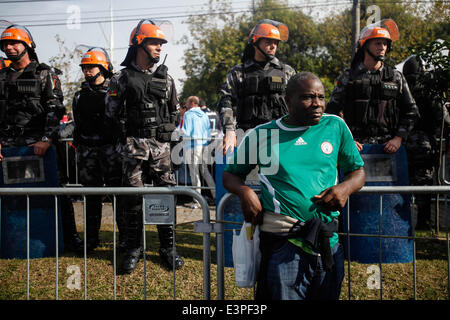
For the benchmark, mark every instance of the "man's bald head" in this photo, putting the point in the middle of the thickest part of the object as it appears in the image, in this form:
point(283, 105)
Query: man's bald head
point(298, 79)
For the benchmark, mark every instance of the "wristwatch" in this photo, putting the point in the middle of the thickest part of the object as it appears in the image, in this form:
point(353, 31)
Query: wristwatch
point(45, 139)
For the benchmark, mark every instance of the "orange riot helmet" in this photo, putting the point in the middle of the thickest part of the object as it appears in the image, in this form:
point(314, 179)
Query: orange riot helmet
point(4, 63)
point(146, 29)
point(384, 29)
point(98, 56)
point(19, 33)
point(266, 28)
point(270, 29)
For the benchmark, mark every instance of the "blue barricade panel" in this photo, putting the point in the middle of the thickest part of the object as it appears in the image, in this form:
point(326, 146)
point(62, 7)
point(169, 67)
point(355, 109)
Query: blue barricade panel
point(232, 212)
point(20, 168)
point(382, 169)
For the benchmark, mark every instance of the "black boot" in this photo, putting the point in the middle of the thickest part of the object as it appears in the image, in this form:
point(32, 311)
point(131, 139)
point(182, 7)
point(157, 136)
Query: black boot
point(131, 259)
point(72, 241)
point(423, 203)
point(133, 231)
point(121, 243)
point(166, 251)
point(94, 218)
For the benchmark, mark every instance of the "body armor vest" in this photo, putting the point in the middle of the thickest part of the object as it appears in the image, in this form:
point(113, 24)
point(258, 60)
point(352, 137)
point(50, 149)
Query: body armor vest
point(371, 109)
point(91, 113)
point(146, 108)
point(21, 111)
point(261, 98)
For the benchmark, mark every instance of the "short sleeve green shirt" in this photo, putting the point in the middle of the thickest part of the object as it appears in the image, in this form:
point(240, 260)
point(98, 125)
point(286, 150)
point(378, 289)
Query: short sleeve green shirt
point(297, 163)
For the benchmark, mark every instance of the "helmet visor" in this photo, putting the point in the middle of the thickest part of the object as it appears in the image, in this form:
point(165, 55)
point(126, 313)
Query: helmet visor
point(281, 31)
point(387, 24)
point(165, 26)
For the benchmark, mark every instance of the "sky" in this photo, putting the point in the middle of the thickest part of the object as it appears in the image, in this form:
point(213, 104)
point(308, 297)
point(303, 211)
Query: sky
point(88, 22)
point(69, 20)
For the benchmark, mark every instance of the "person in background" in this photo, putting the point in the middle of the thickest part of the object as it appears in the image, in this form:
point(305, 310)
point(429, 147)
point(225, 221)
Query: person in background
point(196, 135)
point(253, 92)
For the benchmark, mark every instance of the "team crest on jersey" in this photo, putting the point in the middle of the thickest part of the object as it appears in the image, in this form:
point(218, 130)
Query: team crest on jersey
point(326, 147)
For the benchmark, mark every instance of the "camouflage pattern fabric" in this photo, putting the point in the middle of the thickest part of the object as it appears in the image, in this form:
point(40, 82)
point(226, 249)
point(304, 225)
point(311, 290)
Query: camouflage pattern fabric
point(99, 166)
point(230, 91)
point(408, 111)
point(145, 161)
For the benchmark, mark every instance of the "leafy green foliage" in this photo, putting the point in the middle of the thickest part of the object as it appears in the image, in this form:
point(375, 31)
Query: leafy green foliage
point(322, 46)
point(437, 81)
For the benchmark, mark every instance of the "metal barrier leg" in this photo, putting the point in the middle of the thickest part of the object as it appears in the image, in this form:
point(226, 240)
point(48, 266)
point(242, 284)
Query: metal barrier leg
point(28, 247)
point(173, 255)
point(57, 245)
point(380, 224)
point(448, 246)
point(348, 248)
point(85, 249)
point(414, 249)
point(114, 248)
point(144, 249)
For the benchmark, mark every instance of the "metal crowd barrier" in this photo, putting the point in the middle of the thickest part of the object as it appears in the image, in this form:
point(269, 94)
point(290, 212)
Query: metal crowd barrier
point(365, 190)
point(115, 192)
point(73, 178)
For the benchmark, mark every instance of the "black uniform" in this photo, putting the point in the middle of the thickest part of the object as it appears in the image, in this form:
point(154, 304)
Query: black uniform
point(376, 105)
point(253, 93)
point(31, 106)
point(141, 107)
point(423, 144)
point(98, 162)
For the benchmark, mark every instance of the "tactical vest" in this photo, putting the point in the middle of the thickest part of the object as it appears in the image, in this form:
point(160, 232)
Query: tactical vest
point(21, 111)
point(261, 97)
point(371, 109)
point(146, 109)
point(91, 114)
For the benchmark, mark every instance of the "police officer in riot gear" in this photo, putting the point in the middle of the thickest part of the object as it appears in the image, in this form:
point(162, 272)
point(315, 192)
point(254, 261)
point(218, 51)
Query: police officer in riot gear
point(253, 92)
point(141, 106)
point(373, 97)
point(423, 144)
point(98, 162)
point(31, 106)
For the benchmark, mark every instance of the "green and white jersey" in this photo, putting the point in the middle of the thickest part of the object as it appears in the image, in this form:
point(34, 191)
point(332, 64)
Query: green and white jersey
point(297, 163)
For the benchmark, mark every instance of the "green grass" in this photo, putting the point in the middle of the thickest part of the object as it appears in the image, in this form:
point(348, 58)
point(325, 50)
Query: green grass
point(397, 279)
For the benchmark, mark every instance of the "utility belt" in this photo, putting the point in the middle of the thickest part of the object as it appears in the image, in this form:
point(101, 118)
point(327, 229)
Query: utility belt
point(147, 132)
point(162, 132)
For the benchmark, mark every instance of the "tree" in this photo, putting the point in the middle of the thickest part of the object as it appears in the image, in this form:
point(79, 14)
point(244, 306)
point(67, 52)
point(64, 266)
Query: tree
point(213, 49)
point(217, 47)
point(321, 46)
point(436, 82)
point(70, 81)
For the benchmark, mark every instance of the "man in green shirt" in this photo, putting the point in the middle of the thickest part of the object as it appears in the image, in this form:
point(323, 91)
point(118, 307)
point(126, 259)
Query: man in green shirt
point(298, 156)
